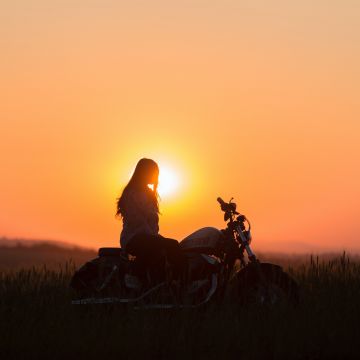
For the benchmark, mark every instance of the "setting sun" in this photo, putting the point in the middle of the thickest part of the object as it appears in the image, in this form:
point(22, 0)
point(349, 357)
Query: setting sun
point(168, 181)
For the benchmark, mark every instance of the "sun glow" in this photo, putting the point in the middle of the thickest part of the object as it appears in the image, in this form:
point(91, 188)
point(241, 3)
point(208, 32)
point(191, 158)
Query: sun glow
point(168, 181)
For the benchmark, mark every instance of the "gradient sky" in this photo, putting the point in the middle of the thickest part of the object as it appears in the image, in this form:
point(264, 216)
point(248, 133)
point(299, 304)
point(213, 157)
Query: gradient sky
point(259, 100)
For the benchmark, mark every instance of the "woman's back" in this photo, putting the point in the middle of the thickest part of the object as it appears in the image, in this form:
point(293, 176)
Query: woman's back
point(139, 215)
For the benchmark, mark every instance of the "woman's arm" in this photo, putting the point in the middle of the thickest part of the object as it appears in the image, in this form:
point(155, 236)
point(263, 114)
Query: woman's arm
point(143, 212)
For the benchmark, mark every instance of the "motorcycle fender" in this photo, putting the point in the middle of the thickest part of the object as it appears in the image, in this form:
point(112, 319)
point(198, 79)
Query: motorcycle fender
point(253, 272)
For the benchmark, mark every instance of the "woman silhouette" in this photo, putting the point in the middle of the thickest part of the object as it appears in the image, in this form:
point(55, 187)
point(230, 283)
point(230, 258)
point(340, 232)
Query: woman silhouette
point(138, 207)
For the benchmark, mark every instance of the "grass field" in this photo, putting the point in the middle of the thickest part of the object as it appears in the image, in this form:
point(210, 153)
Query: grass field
point(38, 321)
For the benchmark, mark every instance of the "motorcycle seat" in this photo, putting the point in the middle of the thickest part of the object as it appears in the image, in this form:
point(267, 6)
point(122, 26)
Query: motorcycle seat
point(109, 251)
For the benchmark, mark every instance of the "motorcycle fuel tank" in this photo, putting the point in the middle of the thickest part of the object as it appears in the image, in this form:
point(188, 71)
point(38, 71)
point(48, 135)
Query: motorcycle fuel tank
point(207, 239)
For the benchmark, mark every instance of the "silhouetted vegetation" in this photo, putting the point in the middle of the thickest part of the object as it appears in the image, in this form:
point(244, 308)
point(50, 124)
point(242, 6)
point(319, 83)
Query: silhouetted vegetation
point(38, 321)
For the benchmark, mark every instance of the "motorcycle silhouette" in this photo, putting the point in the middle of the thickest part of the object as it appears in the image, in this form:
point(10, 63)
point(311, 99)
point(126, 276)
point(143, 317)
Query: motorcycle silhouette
point(216, 266)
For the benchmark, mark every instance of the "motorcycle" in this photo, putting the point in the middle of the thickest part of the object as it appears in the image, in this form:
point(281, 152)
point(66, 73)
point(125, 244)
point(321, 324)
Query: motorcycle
point(216, 265)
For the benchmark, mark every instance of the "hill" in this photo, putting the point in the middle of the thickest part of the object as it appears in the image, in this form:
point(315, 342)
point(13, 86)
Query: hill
point(16, 254)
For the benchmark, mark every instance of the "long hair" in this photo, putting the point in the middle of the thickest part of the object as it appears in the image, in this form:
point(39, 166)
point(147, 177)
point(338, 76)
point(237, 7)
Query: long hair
point(146, 173)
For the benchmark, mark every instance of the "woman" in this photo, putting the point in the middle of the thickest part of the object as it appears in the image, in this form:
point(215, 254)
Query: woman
point(138, 207)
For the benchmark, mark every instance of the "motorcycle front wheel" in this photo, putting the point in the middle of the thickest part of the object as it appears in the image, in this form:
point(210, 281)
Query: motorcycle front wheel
point(266, 284)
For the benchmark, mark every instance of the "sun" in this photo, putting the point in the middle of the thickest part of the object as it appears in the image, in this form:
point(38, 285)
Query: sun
point(169, 181)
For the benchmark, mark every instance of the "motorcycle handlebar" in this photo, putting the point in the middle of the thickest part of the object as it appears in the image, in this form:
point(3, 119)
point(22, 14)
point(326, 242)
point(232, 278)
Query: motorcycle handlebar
point(227, 207)
point(223, 205)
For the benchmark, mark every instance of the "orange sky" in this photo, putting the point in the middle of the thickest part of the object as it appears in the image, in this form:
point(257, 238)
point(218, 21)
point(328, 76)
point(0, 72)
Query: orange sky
point(258, 100)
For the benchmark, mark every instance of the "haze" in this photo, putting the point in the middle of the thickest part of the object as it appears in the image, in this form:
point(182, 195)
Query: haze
point(256, 100)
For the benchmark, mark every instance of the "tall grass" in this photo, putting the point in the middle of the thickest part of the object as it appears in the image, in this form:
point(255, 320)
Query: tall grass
point(38, 321)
